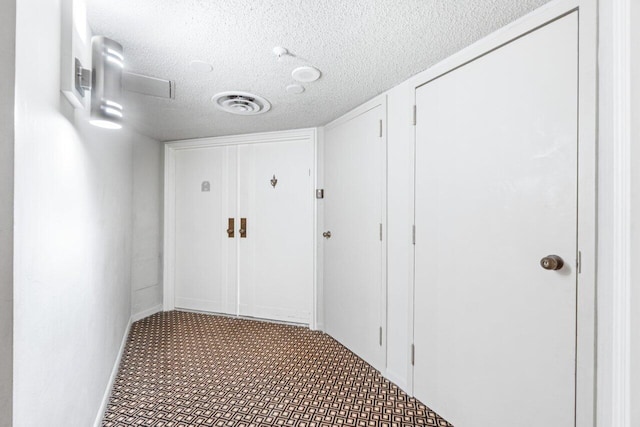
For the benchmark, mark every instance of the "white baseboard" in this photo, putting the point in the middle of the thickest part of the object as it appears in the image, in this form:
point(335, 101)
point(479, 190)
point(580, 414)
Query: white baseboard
point(397, 380)
point(146, 313)
point(112, 378)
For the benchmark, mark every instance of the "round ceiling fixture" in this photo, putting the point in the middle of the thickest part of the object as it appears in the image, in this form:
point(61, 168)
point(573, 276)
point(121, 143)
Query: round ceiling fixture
point(242, 103)
point(295, 89)
point(201, 66)
point(306, 74)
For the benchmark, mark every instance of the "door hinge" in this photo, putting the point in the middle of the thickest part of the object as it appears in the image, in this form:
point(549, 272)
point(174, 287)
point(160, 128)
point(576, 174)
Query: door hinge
point(413, 234)
point(381, 336)
point(380, 129)
point(579, 262)
point(381, 232)
point(413, 354)
point(415, 115)
point(320, 193)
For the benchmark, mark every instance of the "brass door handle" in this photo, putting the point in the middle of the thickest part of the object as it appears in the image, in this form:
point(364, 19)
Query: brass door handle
point(243, 228)
point(231, 228)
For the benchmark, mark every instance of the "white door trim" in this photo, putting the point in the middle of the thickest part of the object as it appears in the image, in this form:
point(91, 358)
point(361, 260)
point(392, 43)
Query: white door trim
point(614, 211)
point(587, 163)
point(250, 138)
point(170, 150)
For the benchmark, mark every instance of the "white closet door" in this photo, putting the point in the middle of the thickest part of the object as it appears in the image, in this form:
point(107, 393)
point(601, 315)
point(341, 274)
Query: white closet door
point(205, 273)
point(496, 191)
point(353, 255)
point(275, 266)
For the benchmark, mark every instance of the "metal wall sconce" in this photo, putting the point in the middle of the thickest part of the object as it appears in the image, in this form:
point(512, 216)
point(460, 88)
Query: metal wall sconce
point(105, 76)
point(104, 80)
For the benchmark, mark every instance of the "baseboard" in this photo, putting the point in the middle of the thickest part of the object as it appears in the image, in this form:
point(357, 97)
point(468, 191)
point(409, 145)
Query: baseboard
point(146, 313)
point(112, 378)
point(397, 380)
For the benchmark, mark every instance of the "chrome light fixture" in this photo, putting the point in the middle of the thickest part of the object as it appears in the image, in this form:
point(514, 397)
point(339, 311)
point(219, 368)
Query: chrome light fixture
point(104, 80)
point(106, 83)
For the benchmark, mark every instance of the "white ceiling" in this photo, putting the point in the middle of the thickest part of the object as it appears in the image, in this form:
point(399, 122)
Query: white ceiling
point(362, 47)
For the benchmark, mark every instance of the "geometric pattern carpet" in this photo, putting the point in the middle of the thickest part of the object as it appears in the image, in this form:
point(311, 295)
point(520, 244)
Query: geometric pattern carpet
point(184, 369)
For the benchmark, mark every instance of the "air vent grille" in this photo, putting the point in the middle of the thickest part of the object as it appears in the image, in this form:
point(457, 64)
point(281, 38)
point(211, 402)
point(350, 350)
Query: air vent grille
point(242, 103)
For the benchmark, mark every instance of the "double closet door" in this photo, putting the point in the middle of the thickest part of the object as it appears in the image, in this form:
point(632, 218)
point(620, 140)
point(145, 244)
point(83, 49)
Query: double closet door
point(244, 218)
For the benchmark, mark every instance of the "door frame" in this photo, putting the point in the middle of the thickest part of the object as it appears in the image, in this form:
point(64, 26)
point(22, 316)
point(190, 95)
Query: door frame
point(170, 150)
point(587, 174)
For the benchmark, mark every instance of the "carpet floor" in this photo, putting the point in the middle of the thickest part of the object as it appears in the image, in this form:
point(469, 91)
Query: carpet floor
point(187, 369)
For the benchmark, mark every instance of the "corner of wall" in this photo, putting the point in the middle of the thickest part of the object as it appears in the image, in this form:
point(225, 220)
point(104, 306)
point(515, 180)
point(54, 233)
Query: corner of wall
point(7, 143)
point(147, 241)
point(112, 378)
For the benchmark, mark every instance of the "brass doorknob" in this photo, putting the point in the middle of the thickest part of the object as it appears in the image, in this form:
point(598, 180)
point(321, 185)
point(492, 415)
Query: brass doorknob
point(552, 262)
point(326, 234)
point(230, 227)
point(243, 228)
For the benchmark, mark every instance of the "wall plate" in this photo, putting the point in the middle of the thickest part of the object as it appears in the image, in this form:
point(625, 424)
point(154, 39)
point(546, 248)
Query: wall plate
point(75, 39)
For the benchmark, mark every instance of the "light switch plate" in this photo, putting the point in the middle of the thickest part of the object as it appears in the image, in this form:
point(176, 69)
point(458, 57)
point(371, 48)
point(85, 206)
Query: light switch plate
point(75, 44)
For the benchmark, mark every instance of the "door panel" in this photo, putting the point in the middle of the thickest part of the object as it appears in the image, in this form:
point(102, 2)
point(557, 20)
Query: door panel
point(496, 190)
point(205, 276)
point(276, 257)
point(353, 256)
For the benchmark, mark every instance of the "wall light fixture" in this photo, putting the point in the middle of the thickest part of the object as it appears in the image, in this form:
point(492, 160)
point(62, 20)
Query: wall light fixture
point(104, 80)
point(106, 83)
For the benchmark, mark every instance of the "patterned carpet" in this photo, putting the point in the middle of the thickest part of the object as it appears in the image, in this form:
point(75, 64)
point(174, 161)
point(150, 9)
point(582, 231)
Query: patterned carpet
point(186, 369)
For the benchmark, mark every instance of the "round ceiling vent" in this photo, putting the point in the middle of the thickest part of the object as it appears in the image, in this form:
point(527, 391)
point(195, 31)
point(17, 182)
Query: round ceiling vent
point(241, 103)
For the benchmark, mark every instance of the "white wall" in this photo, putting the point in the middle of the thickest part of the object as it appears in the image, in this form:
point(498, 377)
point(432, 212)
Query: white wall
point(635, 213)
point(7, 68)
point(73, 238)
point(146, 268)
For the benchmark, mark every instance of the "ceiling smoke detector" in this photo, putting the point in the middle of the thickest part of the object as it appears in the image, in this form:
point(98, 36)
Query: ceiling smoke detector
point(242, 103)
point(306, 74)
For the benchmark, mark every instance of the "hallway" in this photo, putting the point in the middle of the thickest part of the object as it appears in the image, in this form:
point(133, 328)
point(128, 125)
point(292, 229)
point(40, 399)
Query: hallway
point(316, 214)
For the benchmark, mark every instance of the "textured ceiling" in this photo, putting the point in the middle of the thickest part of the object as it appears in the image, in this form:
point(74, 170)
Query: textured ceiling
point(362, 47)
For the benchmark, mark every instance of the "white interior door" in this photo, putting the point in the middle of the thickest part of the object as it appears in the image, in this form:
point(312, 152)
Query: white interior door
point(276, 264)
point(353, 256)
point(496, 191)
point(205, 257)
